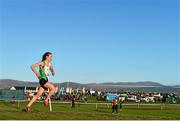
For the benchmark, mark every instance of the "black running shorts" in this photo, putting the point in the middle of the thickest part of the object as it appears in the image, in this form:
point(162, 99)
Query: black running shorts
point(42, 82)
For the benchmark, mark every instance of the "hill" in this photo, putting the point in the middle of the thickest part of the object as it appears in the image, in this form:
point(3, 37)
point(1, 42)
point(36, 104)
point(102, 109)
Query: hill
point(147, 86)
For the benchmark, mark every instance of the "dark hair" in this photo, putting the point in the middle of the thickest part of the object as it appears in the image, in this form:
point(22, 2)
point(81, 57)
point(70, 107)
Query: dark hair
point(46, 54)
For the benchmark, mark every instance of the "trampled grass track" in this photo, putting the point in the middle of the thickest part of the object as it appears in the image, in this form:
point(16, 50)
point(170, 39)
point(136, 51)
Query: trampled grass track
point(89, 111)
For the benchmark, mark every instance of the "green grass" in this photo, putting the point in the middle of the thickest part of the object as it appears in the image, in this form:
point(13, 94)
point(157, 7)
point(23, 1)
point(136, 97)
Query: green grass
point(87, 111)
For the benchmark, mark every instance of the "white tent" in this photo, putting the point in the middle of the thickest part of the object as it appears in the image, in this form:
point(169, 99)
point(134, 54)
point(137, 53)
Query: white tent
point(12, 88)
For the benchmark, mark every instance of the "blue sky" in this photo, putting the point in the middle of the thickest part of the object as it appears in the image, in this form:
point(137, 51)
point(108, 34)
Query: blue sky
point(92, 40)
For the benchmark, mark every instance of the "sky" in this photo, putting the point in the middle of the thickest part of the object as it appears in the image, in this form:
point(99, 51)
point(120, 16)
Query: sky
point(92, 41)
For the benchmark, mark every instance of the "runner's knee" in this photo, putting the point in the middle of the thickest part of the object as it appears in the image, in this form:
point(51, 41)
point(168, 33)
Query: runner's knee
point(37, 95)
point(53, 89)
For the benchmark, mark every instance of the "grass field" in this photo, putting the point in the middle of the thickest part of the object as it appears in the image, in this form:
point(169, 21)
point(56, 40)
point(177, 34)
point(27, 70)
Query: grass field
point(88, 111)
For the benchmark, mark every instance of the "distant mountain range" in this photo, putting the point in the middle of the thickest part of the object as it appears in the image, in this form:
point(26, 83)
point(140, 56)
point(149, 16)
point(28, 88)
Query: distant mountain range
point(11, 82)
point(127, 86)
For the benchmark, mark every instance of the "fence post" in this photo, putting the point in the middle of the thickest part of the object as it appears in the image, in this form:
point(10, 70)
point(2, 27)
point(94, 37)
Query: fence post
point(50, 105)
point(161, 106)
point(108, 105)
point(18, 103)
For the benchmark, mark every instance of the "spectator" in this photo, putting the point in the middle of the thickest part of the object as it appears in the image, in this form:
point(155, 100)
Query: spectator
point(114, 105)
point(73, 103)
point(120, 104)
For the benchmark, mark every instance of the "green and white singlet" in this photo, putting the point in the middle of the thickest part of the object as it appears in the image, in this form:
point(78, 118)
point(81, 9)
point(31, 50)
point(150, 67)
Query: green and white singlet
point(44, 71)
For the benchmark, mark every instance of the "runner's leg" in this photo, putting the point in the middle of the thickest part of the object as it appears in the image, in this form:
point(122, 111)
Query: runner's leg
point(39, 93)
point(51, 88)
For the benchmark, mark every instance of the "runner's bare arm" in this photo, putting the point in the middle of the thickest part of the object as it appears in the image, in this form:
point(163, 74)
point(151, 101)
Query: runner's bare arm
point(33, 67)
point(52, 70)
